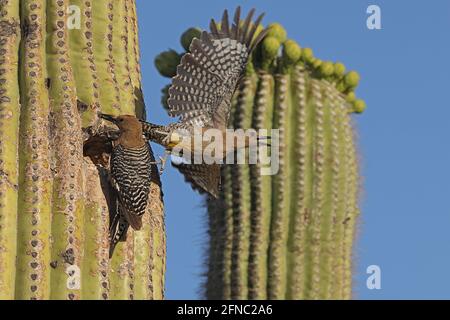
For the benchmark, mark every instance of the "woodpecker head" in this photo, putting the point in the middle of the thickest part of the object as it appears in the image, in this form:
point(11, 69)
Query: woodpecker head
point(124, 122)
point(130, 127)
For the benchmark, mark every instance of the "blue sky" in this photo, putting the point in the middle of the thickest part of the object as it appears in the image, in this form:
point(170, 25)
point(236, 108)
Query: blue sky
point(403, 135)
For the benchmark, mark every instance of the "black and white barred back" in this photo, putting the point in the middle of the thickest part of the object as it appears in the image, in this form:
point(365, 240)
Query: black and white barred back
point(131, 171)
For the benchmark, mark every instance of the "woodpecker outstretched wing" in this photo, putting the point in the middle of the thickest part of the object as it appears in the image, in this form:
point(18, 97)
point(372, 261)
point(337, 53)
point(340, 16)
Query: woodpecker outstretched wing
point(207, 77)
point(202, 177)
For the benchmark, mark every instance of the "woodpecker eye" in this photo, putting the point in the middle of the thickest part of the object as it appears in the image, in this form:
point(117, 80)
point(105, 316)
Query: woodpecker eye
point(121, 119)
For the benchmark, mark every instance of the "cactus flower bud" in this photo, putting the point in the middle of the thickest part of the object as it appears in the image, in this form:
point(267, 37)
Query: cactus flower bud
point(166, 63)
point(188, 35)
point(276, 30)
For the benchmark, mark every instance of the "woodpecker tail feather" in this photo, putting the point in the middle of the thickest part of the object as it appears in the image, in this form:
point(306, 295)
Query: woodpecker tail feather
point(118, 229)
point(202, 177)
point(134, 220)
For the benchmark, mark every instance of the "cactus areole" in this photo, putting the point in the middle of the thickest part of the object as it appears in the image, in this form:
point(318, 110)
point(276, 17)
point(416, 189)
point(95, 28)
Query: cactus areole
point(61, 62)
point(289, 235)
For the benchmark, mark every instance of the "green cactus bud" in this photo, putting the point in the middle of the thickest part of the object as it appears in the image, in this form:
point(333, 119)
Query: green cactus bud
point(352, 79)
point(351, 97)
point(269, 48)
point(166, 63)
point(276, 30)
point(291, 52)
point(316, 63)
point(359, 106)
point(327, 68)
point(307, 55)
point(339, 69)
point(188, 36)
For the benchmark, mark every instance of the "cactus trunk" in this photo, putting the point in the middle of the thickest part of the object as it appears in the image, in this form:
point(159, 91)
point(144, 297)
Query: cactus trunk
point(74, 58)
point(288, 236)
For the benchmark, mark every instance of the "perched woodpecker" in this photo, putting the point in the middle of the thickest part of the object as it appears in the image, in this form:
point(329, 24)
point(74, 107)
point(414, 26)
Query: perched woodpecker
point(202, 89)
point(131, 171)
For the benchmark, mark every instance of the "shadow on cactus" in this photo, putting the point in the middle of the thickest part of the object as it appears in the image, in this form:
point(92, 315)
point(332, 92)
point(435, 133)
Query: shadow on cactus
point(287, 236)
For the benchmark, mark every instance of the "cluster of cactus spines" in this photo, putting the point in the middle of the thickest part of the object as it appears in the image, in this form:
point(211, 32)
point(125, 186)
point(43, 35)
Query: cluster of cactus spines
point(55, 204)
point(287, 236)
point(9, 142)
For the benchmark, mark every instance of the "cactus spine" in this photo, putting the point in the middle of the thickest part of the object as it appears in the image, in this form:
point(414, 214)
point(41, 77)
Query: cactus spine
point(53, 202)
point(287, 236)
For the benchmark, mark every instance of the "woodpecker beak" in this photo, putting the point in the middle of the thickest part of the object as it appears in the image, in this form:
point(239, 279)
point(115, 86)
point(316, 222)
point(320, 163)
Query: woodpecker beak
point(107, 117)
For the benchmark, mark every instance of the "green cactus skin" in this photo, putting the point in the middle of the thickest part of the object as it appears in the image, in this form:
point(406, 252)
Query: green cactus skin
point(9, 143)
point(293, 232)
point(289, 236)
point(54, 213)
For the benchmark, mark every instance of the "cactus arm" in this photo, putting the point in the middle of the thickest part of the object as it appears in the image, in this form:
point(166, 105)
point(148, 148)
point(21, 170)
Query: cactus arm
point(9, 129)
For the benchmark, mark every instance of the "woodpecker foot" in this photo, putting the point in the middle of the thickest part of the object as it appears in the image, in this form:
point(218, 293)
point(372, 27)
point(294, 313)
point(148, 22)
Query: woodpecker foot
point(162, 162)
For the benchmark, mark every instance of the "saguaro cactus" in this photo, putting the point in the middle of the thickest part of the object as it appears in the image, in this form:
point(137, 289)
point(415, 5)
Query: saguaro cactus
point(74, 58)
point(290, 235)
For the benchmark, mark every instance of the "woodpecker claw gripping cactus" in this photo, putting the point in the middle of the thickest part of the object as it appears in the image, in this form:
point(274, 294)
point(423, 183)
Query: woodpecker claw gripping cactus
point(289, 236)
point(71, 57)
